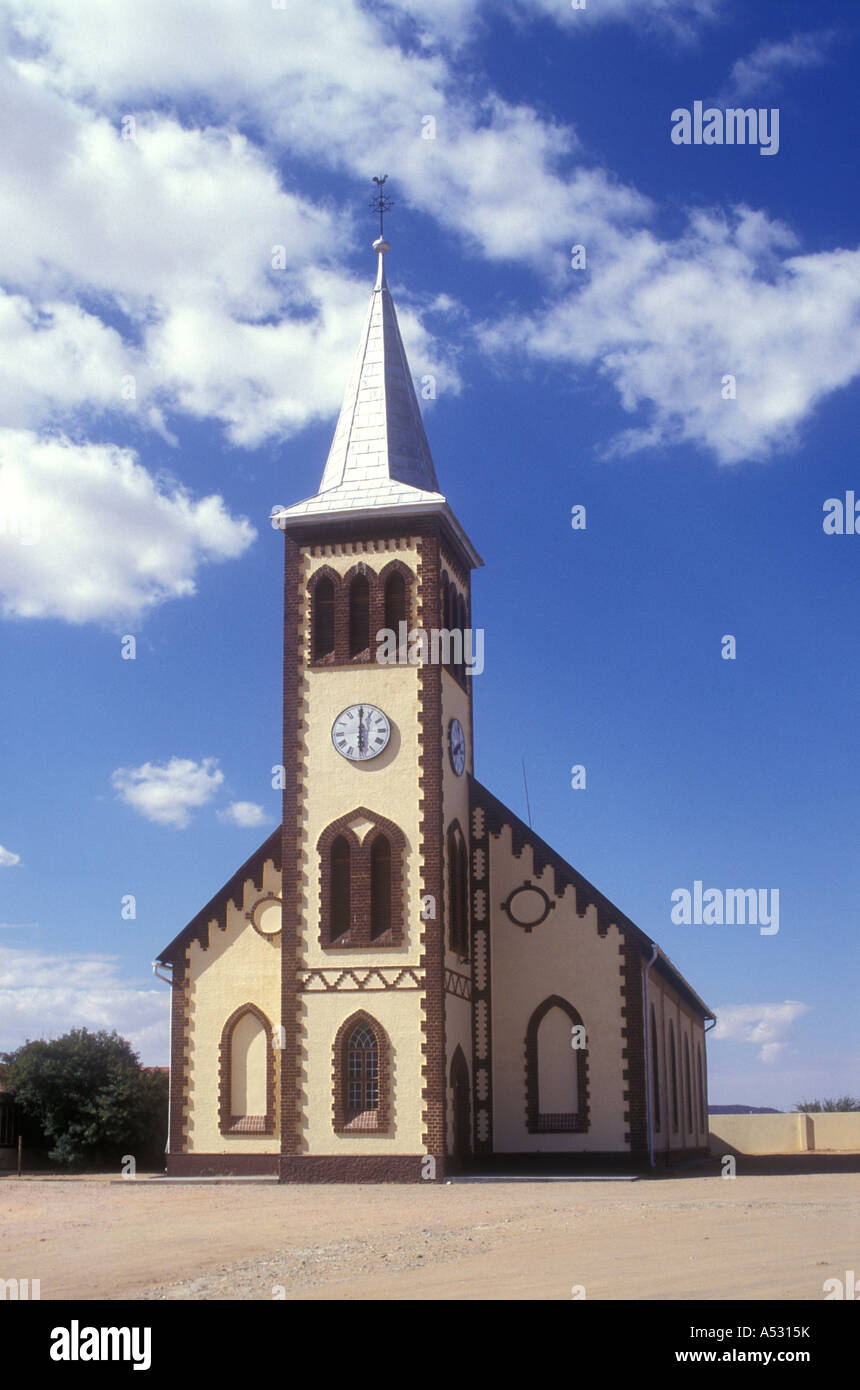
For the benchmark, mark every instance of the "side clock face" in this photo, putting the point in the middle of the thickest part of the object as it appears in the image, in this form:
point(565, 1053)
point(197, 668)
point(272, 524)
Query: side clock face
point(457, 746)
point(360, 732)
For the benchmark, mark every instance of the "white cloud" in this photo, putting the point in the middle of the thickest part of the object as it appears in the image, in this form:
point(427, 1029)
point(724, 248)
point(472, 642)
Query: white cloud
point(218, 335)
point(8, 859)
point(167, 792)
point(46, 995)
point(87, 534)
point(766, 1026)
point(244, 813)
point(761, 70)
point(667, 321)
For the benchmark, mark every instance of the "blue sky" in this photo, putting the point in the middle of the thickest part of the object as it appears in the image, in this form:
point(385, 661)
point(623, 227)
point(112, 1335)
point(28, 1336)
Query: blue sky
point(163, 386)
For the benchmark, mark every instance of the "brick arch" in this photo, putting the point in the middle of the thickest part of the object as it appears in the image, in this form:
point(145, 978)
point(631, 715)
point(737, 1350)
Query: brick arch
point(577, 1123)
point(340, 1076)
point(228, 1122)
point(359, 873)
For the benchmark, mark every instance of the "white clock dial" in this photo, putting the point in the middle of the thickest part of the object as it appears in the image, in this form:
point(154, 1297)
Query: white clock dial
point(457, 746)
point(360, 732)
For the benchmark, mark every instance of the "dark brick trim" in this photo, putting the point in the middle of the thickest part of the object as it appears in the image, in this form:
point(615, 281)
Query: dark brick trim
point(340, 1074)
point(580, 1123)
point(291, 860)
point(482, 1015)
point(431, 831)
point(355, 1168)
point(227, 1120)
point(359, 935)
point(232, 1165)
point(179, 1025)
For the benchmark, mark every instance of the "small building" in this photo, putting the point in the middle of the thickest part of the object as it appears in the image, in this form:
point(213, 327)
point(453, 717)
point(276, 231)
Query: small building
point(404, 978)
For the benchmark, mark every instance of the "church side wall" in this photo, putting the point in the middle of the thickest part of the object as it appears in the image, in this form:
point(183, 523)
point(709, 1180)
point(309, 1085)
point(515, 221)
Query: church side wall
point(562, 956)
point(240, 966)
point(670, 1008)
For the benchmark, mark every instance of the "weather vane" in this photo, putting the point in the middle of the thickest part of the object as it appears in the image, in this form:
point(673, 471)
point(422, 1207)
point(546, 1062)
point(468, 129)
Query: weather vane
point(380, 203)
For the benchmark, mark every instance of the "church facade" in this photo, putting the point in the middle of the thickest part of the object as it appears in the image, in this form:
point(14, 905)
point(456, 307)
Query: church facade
point(404, 980)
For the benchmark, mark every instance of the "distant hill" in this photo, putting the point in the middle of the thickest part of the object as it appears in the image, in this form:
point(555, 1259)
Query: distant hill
point(743, 1110)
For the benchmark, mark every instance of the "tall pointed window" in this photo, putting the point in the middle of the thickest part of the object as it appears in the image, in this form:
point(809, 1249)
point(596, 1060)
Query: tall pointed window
point(458, 892)
point(247, 1073)
point(362, 863)
point(380, 886)
point(556, 1069)
point(688, 1085)
point(340, 887)
point(673, 1063)
point(655, 1073)
point(395, 603)
point(361, 1078)
point(323, 619)
point(359, 615)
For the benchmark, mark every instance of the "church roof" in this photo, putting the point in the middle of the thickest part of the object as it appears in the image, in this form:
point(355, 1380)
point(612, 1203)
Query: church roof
point(379, 461)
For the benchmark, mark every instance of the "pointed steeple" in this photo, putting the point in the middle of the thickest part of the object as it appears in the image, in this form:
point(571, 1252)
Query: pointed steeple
point(380, 433)
point(379, 462)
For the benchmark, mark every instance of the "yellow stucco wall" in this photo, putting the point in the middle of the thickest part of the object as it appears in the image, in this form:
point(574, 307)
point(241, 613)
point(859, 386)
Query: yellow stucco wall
point(785, 1134)
point(330, 787)
point(239, 967)
point(563, 956)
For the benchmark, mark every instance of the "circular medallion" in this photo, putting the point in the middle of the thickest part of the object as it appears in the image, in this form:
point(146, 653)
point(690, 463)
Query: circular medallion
point(528, 906)
point(265, 916)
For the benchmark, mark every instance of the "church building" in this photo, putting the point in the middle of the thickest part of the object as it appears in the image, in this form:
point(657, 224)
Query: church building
point(404, 981)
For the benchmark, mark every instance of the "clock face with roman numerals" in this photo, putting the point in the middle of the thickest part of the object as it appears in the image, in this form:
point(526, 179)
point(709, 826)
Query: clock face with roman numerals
point(360, 732)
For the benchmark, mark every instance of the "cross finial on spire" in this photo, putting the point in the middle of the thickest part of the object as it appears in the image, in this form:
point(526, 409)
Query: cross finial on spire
point(380, 203)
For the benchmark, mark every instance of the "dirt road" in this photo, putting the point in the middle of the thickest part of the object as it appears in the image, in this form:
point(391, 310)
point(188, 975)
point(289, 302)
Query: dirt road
point(673, 1238)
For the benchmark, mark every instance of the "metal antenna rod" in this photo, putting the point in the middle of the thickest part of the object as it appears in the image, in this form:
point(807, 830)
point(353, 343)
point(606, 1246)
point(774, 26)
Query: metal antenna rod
point(528, 807)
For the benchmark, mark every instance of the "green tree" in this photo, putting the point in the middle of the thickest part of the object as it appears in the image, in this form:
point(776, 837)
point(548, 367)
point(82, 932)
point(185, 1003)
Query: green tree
point(840, 1103)
point(89, 1096)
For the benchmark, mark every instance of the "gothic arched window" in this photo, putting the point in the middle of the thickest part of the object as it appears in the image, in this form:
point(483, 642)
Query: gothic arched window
point(247, 1073)
point(380, 886)
point(673, 1063)
point(362, 863)
point(655, 1073)
point(458, 892)
point(361, 1076)
point(359, 615)
point(556, 1069)
point(340, 887)
point(395, 603)
point(322, 642)
point(688, 1085)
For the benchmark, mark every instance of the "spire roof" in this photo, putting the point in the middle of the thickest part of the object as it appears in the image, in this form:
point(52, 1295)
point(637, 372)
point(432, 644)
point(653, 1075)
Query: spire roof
point(379, 460)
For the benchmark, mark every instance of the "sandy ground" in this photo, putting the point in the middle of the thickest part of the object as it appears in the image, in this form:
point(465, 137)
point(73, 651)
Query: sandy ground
point(685, 1237)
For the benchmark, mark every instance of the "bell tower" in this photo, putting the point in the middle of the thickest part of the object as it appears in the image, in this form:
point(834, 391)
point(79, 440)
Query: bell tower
point(378, 756)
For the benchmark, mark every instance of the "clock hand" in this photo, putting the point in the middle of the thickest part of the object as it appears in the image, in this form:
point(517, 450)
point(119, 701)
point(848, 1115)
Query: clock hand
point(360, 729)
